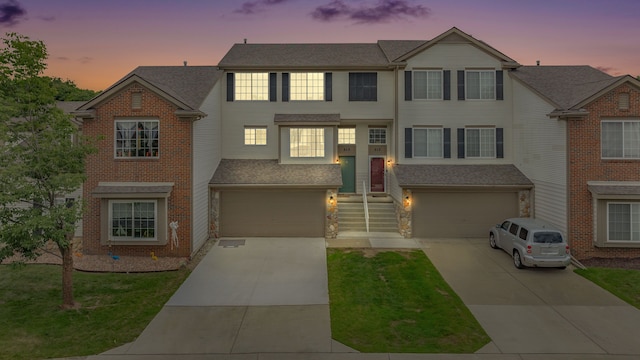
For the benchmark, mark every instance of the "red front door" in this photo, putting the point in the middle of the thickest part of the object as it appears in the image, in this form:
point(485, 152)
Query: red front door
point(377, 174)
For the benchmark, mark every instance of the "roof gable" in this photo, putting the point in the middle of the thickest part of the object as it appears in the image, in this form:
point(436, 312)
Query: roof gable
point(618, 81)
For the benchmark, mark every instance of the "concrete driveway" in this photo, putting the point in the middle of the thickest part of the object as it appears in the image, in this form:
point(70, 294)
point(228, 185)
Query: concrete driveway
point(534, 310)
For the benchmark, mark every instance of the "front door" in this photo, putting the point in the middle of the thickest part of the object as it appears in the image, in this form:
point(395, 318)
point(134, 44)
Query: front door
point(377, 174)
point(348, 168)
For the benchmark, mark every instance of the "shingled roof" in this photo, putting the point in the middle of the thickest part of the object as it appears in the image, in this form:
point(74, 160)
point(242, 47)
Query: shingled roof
point(248, 172)
point(460, 175)
point(565, 86)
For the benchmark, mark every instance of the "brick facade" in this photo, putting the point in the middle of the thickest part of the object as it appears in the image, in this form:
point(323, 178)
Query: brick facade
point(174, 164)
point(585, 164)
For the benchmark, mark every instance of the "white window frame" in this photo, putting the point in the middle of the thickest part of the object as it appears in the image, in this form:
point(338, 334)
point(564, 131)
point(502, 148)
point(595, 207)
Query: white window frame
point(251, 86)
point(306, 142)
point(482, 81)
point(482, 147)
point(113, 237)
point(376, 137)
point(438, 154)
point(255, 135)
point(634, 227)
point(128, 144)
point(629, 140)
point(307, 86)
point(428, 85)
point(346, 136)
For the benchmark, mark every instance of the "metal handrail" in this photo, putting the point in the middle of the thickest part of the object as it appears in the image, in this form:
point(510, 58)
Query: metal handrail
point(365, 204)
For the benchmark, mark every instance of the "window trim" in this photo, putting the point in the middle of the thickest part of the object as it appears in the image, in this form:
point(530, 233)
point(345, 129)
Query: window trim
point(467, 84)
point(264, 89)
point(120, 153)
point(415, 153)
point(621, 121)
point(319, 89)
point(255, 137)
point(466, 143)
point(351, 138)
point(121, 239)
point(377, 143)
point(415, 84)
point(631, 213)
point(318, 149)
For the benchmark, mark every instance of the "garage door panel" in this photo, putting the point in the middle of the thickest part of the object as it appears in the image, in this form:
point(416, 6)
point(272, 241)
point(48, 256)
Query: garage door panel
point(460, 214)
point(272, 213)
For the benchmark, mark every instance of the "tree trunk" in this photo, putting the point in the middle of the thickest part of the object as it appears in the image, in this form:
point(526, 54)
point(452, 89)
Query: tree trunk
point(67, 276)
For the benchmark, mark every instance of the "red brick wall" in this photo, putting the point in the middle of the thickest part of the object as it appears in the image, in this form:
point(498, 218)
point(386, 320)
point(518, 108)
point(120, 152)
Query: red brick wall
point(173, 165)
point(585, 164)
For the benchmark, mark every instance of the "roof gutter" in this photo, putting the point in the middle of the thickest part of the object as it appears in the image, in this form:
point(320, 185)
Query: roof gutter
point(569, 114)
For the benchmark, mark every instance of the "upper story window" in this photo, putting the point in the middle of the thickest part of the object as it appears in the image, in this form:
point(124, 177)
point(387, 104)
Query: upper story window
point(306, 142)
point(346, 135)
point(620, 139)
point(132, 220)
point(251, 86)
point(481, 84)
point(255, 135)
point(136, 138)
point(427, 84)
point(377, 136)
point(307, 86)
point(480, 142)
point(363, 86)
point(428, 142)
point(623, 222)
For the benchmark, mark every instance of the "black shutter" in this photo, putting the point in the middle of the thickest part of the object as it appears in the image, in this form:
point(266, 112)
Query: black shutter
point(447, 143)
point(328, 87)
point(499, 143)
point(230, 86)
point(446, 84)
point(460, 84)
point(273, 96)
point(285, 86)
point(353, 79)
point(499, 85)
point(461, 143)
point(407, 86)
point(408, 143)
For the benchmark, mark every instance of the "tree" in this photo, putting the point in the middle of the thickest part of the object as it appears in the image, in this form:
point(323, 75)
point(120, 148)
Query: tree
point(67, 90)
point(41, 159)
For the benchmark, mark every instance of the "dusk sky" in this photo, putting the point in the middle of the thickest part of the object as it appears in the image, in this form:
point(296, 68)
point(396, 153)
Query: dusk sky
point(95, 43)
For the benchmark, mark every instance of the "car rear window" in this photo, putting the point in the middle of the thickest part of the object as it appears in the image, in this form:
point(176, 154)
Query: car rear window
point(547, 237)
point(523, 233)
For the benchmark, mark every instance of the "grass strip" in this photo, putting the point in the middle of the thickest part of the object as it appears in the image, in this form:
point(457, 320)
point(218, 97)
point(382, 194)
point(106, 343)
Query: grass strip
point(623, 283)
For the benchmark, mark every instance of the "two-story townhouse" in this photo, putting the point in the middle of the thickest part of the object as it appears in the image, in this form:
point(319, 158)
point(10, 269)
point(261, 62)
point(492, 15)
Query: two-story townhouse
point(147, 186)
point(577, 135)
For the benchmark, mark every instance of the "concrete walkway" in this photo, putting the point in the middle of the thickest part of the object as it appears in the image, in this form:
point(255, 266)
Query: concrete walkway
point(267, 298)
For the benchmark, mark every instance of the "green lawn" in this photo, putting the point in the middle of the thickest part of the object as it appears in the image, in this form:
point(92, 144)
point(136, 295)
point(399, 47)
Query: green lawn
point(115, 308)
point(622, 283)
point(397, 302)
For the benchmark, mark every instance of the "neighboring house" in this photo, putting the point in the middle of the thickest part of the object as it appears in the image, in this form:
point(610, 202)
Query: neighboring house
point(456, 133)
point(159, 128)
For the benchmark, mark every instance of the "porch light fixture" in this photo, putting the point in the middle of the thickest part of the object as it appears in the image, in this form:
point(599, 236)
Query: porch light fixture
point(407, 201)
point(337, 161)
point(331, 200)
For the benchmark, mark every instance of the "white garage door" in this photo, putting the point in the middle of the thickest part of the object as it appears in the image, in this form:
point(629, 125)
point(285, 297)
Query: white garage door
point(460, 214)
point(272, 213)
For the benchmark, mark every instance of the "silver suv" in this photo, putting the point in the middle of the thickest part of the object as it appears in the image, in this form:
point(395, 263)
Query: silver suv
point(531, 242)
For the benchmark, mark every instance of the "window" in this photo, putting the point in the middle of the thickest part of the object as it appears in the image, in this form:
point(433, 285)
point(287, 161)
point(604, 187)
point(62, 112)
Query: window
point(377, 136)
point(136, 138)
point(251, 86)
point(480, 143)
point(620, 139)
point(307, 86)
point(132, 220)
point(255, 136)
point(513, 229)
point(306, 142)
point(363, 86)
point(428, 142)
point(427, 84)
point(346, 135)
point(481, 85)
point(623, 221)
point(523, 233)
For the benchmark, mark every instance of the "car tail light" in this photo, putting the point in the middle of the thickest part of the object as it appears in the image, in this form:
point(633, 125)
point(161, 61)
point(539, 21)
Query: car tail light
point(528, 249)
point(566, 249)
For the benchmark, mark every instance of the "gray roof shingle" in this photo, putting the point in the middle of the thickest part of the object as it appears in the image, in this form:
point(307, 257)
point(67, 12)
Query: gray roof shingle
point(566, 86)
point(247, 172)
point(394, 49)
point(460, 175)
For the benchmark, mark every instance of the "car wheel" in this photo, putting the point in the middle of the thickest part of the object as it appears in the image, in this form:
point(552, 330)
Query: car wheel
point(517, 261)
point(492, 241)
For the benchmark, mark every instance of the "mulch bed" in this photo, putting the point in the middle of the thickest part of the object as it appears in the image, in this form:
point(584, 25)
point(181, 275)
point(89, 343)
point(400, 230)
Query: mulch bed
point(618, 263)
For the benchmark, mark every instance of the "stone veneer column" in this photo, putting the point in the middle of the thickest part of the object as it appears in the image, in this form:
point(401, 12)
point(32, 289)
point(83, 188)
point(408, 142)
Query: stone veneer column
point(214, 210)
point(524, 203)
point(404, 214)
point(331, 225)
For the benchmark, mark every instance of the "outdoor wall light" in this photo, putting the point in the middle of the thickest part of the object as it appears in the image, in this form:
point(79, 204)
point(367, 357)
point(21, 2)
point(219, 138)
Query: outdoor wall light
point(331, 200)
point(407, 201)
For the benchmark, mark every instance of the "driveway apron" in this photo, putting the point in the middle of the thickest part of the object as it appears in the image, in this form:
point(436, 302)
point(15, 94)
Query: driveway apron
point(534, 310)
point(247, 296)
